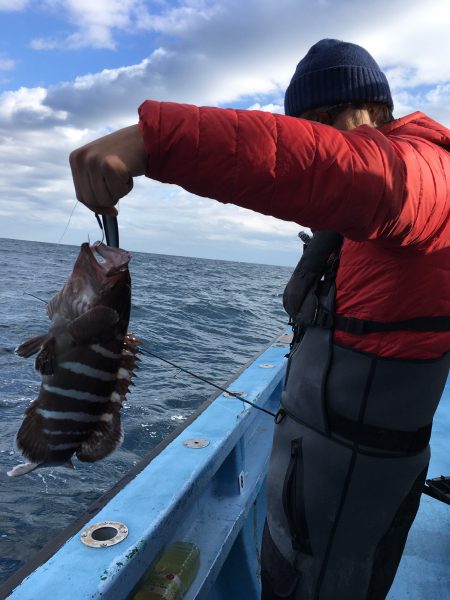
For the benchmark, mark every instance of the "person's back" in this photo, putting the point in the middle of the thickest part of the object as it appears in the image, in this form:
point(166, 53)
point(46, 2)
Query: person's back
point(400, 270)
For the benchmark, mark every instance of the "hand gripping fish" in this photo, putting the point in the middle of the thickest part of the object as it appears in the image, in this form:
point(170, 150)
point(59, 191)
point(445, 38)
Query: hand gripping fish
point(86, 359)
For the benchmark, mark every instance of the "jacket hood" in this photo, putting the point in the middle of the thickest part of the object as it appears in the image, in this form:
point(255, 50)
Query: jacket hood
point(418, 124)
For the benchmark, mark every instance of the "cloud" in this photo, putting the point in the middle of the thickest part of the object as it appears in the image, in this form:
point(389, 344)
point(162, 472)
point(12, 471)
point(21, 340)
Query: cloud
point(166, 219)
point(13, 5)
point(213, 57)
point(413, 49)
point(6, 63)
point(181, 20)
point(271, 107)
point(95, 22)
point(165, 75)
point(48, 43)
point(222, 54)
point(207, 53)
point(25, 109)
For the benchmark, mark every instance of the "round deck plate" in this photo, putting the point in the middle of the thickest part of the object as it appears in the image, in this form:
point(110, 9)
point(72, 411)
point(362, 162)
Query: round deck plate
point(196, 443)
point(104, 534)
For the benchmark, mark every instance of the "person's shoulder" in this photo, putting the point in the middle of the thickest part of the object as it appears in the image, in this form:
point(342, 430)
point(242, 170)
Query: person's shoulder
point(417, 125)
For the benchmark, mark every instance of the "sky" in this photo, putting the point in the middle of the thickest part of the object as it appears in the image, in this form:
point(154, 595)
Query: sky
point(74, 70)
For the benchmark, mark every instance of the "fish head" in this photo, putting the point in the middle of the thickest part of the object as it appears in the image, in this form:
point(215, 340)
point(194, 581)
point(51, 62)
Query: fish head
point(99, 277)
point(101, 272)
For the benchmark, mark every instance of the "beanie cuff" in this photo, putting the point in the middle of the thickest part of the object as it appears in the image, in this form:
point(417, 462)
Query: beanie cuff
point(336, 85)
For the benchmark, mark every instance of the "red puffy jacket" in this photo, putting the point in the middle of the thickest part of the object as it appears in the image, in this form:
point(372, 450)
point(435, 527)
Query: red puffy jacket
point(387, 190)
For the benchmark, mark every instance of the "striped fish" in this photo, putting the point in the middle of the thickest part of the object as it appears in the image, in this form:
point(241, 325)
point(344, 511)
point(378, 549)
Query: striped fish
point(86, 359)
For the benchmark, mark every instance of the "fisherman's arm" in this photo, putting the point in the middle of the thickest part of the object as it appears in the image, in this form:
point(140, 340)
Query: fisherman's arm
point(281, 166)
point(353, 182)
point(103, 170)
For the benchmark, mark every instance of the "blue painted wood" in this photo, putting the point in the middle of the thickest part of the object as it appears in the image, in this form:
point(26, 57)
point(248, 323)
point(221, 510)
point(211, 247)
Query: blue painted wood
point(214, 497)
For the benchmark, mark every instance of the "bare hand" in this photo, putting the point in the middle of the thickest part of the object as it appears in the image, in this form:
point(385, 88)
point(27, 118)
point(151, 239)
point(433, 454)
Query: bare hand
point(103, 170)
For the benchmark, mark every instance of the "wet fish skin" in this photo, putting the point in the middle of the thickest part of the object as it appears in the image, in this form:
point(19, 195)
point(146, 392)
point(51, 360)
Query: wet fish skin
point(86, 359)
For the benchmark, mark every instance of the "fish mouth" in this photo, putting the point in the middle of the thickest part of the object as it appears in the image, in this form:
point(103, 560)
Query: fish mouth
point(106, 260)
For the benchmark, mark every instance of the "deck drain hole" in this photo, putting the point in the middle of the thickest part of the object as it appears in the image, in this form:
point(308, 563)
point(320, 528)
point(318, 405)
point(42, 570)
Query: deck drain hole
point(104, 534)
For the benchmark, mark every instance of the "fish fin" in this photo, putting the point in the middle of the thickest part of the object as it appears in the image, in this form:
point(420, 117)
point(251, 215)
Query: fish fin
point(105, 438)
point(54, 304)
point(30, 438)
point(131, 349)
point(31, 346)
point(22, 469)
point(127, 365)
point(95, 323)
point(46, 359)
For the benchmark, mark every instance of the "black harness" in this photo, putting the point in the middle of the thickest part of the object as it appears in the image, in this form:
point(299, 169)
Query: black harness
point(312, 278)
point(309, 301)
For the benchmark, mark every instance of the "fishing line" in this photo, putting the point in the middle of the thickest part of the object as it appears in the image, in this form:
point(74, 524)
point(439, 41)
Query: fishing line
point(33, 296)
point(143, 348)
point(68, 222)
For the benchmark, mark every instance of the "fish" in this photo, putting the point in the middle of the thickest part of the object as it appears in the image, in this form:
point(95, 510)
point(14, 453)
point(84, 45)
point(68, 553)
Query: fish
point(87, 360)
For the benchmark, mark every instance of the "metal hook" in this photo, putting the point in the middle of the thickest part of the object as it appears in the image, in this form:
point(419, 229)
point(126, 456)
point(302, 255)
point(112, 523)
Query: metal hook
point(97, 216)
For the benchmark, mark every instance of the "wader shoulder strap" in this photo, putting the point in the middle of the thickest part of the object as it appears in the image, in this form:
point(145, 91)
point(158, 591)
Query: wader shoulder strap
point(310, 281)
point(299, 298)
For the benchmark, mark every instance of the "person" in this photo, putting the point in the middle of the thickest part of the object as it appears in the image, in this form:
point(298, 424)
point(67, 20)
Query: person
point(370, 360)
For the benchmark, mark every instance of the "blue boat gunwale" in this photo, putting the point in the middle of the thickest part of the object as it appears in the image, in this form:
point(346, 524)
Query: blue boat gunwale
point(50, 548)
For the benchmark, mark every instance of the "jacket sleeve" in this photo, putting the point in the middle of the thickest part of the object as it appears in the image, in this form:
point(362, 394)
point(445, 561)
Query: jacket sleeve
point(352, 182)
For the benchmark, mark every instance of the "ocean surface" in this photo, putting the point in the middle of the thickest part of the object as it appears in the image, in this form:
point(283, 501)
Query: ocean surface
point(208, 316)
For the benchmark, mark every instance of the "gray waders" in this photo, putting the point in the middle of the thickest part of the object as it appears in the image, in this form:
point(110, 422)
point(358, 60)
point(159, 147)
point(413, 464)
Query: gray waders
point(349, 460)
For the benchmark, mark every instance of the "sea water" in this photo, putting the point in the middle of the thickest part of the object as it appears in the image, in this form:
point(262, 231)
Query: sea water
point(208, 316)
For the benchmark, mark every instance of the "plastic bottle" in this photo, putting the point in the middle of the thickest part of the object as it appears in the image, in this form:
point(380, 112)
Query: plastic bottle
point(170, 577)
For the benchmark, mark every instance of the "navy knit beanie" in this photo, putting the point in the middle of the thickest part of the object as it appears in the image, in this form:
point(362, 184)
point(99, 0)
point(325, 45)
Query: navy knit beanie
point(335, 72)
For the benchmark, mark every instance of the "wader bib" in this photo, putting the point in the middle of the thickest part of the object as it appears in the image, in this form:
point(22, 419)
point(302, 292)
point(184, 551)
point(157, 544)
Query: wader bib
point(350, 454)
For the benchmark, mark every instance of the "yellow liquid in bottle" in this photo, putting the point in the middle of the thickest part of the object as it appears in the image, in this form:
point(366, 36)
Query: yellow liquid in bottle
point(170, 577)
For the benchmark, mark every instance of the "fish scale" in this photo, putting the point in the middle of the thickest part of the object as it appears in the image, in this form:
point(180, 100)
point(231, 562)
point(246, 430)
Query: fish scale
point(87, 360)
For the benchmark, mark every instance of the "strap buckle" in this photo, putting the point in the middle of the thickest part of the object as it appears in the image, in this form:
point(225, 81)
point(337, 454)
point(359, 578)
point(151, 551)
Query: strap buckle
point(353, 325)
point(323, 318)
